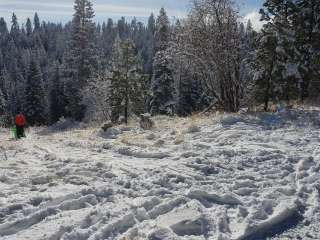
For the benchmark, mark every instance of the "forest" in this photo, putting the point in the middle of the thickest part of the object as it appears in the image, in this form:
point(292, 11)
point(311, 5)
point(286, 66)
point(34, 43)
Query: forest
point(115, 70)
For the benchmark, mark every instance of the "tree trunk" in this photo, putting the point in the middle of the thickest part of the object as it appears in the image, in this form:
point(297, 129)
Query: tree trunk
point(126, 111)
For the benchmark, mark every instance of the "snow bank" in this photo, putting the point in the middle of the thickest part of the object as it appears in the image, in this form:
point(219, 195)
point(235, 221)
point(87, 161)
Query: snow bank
point(285, 214)
point(282, 118)
point(226, 181)
point(211, 198)
point(64, 124)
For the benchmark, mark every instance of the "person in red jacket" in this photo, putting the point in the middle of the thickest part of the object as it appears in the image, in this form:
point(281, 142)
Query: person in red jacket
point(20, 122)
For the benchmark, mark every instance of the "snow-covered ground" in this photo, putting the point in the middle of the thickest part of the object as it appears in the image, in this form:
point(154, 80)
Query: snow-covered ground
point(219, 177)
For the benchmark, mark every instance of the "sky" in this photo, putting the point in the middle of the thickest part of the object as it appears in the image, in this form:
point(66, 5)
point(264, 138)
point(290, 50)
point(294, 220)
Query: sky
point(62, 10)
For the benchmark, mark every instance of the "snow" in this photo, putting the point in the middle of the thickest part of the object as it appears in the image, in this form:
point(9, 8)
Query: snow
point(225, 176)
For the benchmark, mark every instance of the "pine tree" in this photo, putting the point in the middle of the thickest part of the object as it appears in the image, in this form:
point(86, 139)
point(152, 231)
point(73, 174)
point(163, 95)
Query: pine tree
point(123, 29)
point(5, 119)
point(162, 33)
point(149, 50)
point(265, 72)
point(3, 27)
point(34, 108)
point(29, 27)
point(15, 29)
point(279, 14)
point(162, 85)
point(127, 81)
point(81, 60)
point(5, 113)
point(15, 86)
point(306, 18)
point(56, 97)
point(108, 38)
point(36, 22)
point(2, 103)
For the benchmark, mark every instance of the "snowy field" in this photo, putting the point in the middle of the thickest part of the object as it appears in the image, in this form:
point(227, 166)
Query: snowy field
point(228, 177)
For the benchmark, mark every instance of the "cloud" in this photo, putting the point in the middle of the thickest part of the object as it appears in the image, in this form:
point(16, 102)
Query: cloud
point(254, 17)
point(62, 10)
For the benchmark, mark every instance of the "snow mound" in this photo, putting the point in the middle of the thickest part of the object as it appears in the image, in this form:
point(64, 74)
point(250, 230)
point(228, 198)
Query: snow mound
point(208, 198)
point(64, 124)
point(193, 129)
point(186, 220)
point(111, 133)
point(142, 154)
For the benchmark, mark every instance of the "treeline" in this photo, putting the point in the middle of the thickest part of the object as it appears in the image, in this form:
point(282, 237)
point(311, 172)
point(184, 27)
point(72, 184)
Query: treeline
point(88, 71)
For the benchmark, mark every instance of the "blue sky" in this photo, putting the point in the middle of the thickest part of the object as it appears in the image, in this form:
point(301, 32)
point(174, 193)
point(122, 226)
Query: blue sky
point(61, 10)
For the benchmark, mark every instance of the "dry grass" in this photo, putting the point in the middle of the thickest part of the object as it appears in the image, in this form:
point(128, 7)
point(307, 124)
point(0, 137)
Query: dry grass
point(179, 139)
point(134, 140)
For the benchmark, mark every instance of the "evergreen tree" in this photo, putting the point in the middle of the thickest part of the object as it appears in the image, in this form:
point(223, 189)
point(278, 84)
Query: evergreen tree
point(279, 14)
point(15, 86)
point(127, 81)
point(123, 29)
point(56, 100)
point(34, 108)
point(15, 29)
point(306, 18)
point(36, 22)
point(266, 74)
point(149, 50)
point(81, 60)
point(162, 85)
point(162, 33)
point(108, 38)
point(2, 103)
point(29, 27)
point(3, 27)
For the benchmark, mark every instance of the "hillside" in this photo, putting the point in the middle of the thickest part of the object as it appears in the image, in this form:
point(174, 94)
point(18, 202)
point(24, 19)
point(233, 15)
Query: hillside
point(241, 176)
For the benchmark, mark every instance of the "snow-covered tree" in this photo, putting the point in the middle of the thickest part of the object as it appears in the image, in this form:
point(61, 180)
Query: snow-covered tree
point(305, 20)
point(36, 22)
point(162, 82)
point(34, 105)
point(81, 60)
point(126, 82)
point(264, 69)
point(162, 85)
point(213, 41)
point(286, 76)
point(149, 48)
point(190, 95)
point(107, 40)
point(96, 97)
point(162, 31)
